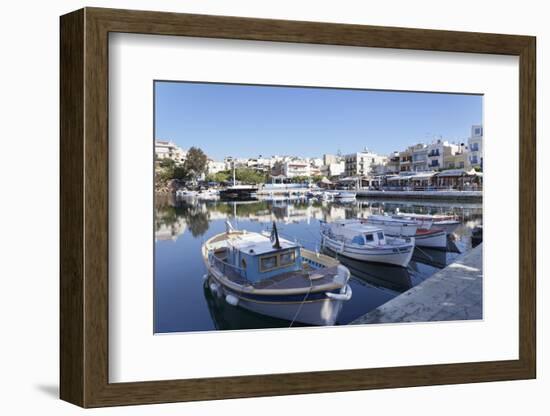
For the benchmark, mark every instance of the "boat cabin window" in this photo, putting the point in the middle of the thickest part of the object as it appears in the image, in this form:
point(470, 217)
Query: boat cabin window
point(369, 237)
point(287, 258)
point(275, 261)
point(358, 239)
point(380, 236)
point(268, 263)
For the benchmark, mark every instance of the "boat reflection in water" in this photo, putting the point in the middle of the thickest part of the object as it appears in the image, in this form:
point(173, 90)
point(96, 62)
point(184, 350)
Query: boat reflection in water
point(394, 278)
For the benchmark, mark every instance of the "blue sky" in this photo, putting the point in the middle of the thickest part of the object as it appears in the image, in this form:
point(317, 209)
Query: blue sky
point(247, 121)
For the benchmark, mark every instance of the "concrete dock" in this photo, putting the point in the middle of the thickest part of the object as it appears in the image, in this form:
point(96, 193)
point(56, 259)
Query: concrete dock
point(452, 294)
point(439, 195)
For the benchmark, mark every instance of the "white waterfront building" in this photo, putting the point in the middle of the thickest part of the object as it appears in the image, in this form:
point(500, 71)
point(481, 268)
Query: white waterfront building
point(165, 149)
point(362, 163)
point(214, 167)
point(296, 167)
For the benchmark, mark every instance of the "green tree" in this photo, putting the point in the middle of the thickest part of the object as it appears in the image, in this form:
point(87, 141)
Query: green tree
point(222, 176)
point(195, 163)
point(180, 172)
point(167, 163)
point(247, 175)
point(300, 179)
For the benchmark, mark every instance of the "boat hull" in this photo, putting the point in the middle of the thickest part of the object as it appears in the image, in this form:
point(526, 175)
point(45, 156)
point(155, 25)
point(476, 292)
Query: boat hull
point(320, 311)
point(436, 239)
point(448, 226)
point(401, 258)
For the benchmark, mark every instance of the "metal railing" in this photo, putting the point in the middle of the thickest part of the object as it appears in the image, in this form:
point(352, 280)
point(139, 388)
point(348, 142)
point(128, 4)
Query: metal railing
point(232, 272)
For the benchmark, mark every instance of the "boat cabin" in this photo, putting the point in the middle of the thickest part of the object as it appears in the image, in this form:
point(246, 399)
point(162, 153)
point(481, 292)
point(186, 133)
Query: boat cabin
point(359, 233)
point(257, 259)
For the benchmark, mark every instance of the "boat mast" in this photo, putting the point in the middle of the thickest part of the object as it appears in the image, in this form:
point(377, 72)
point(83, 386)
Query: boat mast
point(275, 237)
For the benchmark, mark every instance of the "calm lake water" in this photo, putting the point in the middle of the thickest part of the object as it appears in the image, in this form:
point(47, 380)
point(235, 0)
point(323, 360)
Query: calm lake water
point(184, 303)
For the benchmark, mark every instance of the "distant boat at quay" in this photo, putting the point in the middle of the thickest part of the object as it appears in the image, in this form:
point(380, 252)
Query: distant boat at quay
point(344, 196)
point(357, 240)
point(422, 229)
point(272, 276)
point(447, 222)
point(239, 192)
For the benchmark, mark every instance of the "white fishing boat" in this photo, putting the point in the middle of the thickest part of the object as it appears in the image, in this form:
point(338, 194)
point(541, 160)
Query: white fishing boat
point(360, 241)
point(423, 231)
point(433, 238)
point(447, 222)
point(276, 277)
point(392, 227)
point(399, 220)
point(345, 196)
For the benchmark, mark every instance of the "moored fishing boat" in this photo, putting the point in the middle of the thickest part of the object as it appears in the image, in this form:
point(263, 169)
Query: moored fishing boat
point(360, 241)
point(423, 231)
point(391, 226)
point(433, 238)
point(399, 220)
point(239, 192)
point(447, 222)
point(276, 277)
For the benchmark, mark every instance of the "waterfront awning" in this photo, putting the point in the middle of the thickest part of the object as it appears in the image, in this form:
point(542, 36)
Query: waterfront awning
point(454, 173)
point(423, 175)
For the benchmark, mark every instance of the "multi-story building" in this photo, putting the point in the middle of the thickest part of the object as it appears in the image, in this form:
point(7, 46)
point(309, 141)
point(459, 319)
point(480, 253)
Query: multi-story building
point(475, 147)
point(259, 163)
point(457, 160)
point(292, 168)
point(165, 149)
point(333, 169)
point(215, 167)
point(392, 165)
point(362, 163)
point(438, 151)
point(419, 157)
point(231, 161)
point(405, 160)
point(328, 159)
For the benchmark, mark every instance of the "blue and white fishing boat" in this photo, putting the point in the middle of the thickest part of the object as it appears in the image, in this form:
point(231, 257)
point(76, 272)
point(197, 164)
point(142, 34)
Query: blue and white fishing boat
point(360, 241)
point(276, 277)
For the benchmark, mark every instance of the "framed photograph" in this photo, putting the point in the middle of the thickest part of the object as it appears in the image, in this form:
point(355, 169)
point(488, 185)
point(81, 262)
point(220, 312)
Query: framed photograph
point(255, 207)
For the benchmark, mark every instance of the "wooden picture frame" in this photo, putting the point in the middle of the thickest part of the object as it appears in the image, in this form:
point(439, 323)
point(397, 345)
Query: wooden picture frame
point(84, 207)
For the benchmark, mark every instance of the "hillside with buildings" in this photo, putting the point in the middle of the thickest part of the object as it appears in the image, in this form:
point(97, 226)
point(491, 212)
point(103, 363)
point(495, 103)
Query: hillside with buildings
point(420, 161)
